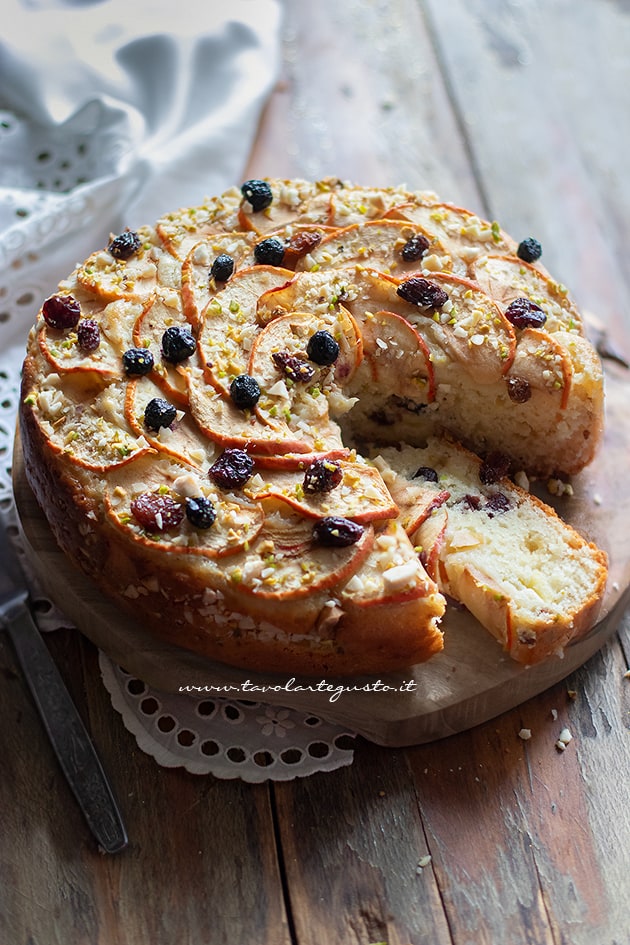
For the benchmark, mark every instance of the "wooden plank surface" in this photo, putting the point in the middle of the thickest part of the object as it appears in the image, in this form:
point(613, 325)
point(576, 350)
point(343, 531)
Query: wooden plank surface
point(519, 110)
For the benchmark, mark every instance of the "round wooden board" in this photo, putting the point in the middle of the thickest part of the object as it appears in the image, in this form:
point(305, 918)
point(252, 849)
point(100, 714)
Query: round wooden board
point(468, 683)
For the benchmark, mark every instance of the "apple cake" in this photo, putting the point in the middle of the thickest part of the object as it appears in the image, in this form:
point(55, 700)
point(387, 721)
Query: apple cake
point(279, 427)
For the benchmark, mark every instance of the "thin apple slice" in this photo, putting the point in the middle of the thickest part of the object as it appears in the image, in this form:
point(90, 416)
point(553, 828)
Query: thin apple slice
point(298, 461)
point(391, 573)
point(377, 244)
point(294, 202)
point(180, 230)
point(352, 204)
point(398, 356)
point(237, 522)
point(198, 287)
point(183, 439)
point(286, 562)
point(148, 330)
point(229, 323)
point(134, 278)
point(319, 293)
point(429, 539)
point(415, 495)
point(361, 495)
point(506, 278)
point(465, 235)
point(63, 354)
point(544, 363)
point(86, 422)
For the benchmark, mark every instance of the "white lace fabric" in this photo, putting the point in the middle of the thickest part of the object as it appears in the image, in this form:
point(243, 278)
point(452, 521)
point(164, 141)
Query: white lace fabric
point(112, 113)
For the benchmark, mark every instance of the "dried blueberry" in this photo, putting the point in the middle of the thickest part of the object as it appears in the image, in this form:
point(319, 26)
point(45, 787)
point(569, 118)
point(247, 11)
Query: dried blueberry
point(523, 313)
point(495, 467)
point(88, 335)
point(337, 532)
point(415, 248)
point(269, 252)
point(137, 361)
point(519, 390)
point(222, 268)
point(61, 311)
point(257, 193)
point(322, 348)
point(156, 512)
point(421, 292)
point(427, 473)
point(178, 343)
point(159, 413)
point(497, 504)
point(125, 245)
point(232, 469)
point(323, 475)
point(296, 369)
point(200, 511)
point(529, 250)
point(244, 391)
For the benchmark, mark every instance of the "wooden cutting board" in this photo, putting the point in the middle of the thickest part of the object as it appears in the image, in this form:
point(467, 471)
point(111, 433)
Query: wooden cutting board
point(469, 682)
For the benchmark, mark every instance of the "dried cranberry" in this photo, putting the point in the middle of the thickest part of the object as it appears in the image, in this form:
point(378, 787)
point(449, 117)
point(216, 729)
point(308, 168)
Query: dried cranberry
point(497, 504)
point(523, 313)
point(337, 532)
point(269, 252)
point(415, 248)
point(88, 335)
point(529, 250)
point(323, 475)
point(257, 193)
point(495, 467)
point(222, 268)
point(301, 244)
point(421, 292)
point(472, 502)
point(156, 512)
point(159, 413)
point(137, 361)
point(178, 344)
point(518, 389)
point(293, 367)
point(322, 348)
point(61, 311)
point(232, 469)
point(244, 391)
point(200, 512)
point(427, 473)
point(125, 246)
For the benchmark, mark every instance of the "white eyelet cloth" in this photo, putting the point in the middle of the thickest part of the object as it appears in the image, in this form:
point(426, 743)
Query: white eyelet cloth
point(112, 113)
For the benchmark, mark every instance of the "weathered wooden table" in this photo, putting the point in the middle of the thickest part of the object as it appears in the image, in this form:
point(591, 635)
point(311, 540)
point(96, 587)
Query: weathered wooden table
point(518, 109)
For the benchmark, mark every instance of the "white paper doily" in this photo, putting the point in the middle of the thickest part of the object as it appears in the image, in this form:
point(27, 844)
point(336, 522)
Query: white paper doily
point(226, 738)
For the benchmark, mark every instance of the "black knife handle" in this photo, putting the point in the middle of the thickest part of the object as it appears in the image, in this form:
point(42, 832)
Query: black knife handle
point(67, 733)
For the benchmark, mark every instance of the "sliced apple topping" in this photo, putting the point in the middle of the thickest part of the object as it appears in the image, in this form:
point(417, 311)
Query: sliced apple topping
point(361, 494)
point(181, 230)
point(287, 562)
point(198, 284)
point(319, 293)
point(507, 278)
point(352, 204)
point(391, 572)
point(416, 494)
point(148, 332)
point(295, 202)
point(229, 323)
point(64, 352)
point(542, 363)
point(149, 500)
point(86, 422)
point(388, 245)
point(133, 278)
point(398, 356)
point(182, 439)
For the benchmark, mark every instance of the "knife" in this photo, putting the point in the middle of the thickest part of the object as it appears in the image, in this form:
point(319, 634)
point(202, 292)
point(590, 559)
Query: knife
point(66, 731)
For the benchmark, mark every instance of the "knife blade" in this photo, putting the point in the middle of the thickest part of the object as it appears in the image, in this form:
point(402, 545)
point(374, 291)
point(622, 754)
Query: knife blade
point(67, 733)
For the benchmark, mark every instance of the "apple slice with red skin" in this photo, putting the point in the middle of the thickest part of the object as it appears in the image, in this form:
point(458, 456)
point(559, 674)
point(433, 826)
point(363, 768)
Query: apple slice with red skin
point(507, 278)
point(394, 348)
point(375, 243)
point(320, 293)
point(147, 333)
point(86, 423)
point(297, 461)
point(237, 522)
point(543, 362)
point(63, 354)
point(135, 278)
point(183, 440)
point(179, 231)
point(229, 323)
point(198, 287)
point(361, 495)
point(416, 499)
point(285, 562)
point(429, 539)
point(380, 581)
point(312, 206)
